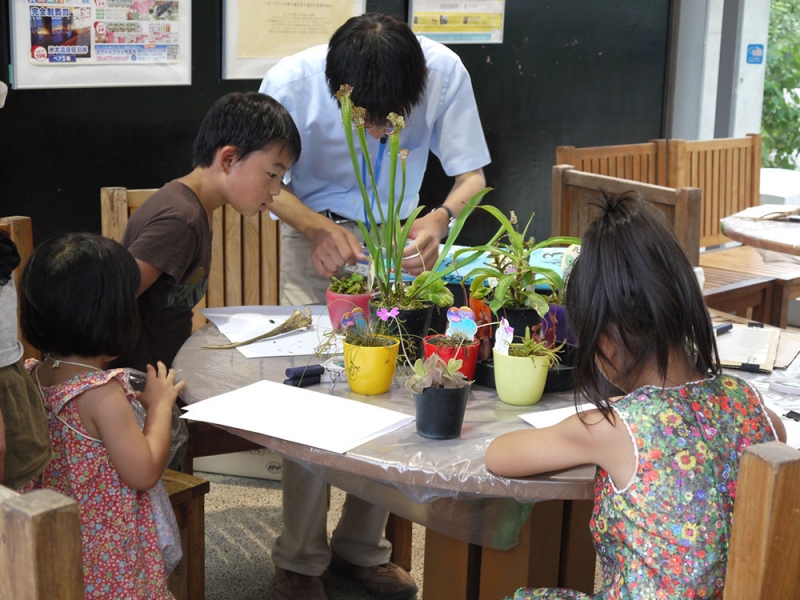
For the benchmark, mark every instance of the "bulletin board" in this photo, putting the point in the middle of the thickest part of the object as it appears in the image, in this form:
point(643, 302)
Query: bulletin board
point(100, 43)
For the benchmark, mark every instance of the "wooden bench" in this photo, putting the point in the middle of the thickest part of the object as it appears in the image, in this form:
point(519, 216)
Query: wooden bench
point(187, 496)
point(40, 542)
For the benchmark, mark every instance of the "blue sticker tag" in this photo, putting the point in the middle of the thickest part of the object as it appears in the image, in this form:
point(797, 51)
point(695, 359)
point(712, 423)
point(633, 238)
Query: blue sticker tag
point(755, 54)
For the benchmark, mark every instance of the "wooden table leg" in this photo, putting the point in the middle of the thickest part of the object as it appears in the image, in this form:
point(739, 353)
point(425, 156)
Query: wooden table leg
point(554, 550)
point(534, 562)
point(578, 558)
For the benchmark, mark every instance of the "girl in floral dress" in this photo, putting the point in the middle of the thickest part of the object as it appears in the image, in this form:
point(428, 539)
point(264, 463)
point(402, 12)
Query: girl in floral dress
point(667, 451)
point(78, 306)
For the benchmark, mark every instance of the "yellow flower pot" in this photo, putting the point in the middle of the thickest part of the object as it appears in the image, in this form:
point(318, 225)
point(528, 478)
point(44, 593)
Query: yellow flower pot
point(520, 380)
point(370, 369)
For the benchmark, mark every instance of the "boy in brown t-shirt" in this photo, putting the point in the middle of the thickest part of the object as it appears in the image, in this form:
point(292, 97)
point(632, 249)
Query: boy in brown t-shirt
point(245, 145)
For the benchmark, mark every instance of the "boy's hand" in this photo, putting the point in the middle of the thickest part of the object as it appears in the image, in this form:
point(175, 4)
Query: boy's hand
point(160, 386)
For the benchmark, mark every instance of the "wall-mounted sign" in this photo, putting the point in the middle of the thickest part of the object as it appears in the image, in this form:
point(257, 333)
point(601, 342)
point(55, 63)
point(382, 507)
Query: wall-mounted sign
point(473, 22)
point(72, 43)
point(258, 33)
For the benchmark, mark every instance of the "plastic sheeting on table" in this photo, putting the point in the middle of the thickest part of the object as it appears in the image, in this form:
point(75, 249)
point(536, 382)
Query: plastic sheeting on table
point(441, 484)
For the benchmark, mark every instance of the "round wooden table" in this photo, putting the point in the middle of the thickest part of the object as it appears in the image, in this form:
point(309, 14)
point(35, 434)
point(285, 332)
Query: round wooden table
point(441, 484)
point(779, 236)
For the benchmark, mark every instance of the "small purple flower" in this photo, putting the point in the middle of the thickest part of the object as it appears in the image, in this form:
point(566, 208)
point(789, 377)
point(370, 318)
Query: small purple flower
point(384, 314)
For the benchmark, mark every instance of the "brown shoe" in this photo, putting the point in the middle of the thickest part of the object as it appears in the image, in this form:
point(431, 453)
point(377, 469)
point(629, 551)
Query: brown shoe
point(296, 586)
point(386, 581)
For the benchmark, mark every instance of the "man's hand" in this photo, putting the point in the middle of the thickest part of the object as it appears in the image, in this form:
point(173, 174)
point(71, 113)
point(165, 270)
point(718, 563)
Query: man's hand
point(332, 247)
point(424, 235)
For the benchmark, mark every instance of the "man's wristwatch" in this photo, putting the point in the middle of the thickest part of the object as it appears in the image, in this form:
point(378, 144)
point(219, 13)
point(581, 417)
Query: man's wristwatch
point(452, 215)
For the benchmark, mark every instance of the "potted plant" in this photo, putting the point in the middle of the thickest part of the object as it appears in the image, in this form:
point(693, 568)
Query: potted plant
point(346, 293)
point(520, 369)
point(370, 353)
point(458, 341)
point(386, 236)
point(440, 392)
point(509, 278)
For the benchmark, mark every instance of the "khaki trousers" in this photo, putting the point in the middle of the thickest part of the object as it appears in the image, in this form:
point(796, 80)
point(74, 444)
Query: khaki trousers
point(300, 282)
point(303, 545)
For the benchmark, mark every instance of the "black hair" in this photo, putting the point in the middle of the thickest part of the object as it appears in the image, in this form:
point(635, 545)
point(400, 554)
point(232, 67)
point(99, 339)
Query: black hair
point(250, 121)
point(633, 283)
point(382, 59)
point(78, 297)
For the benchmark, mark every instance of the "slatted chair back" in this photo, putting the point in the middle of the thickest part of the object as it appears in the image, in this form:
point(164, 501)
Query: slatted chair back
point(573, 210)
point(20, 230)
point(244, 256)
point(727, 170)
point(764, 549)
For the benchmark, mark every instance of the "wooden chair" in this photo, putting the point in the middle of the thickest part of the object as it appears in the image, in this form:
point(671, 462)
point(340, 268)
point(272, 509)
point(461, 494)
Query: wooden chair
point(20, 230)
point(727, 170)
point(572, 211)
point(723, 290)
point(764, 549)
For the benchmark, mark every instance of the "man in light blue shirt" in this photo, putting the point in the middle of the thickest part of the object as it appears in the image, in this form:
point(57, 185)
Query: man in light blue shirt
point(391, 70)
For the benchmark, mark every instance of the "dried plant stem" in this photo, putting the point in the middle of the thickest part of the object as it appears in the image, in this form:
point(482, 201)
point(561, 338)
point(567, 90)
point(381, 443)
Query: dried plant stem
point(297, 320)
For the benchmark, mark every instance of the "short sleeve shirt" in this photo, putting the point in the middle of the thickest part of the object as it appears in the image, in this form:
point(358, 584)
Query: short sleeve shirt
point(446, 122)
point(170, 231)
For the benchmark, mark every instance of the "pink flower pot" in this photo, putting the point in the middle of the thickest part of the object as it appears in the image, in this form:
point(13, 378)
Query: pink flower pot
point(339, 304)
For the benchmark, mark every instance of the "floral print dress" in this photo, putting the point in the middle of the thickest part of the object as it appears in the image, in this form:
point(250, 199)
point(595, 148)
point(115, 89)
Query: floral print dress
point(665, 534)
point(119, 534)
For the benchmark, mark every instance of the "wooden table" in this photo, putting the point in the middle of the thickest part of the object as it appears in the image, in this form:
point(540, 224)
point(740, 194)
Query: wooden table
point(486, 535)
point(780, 236)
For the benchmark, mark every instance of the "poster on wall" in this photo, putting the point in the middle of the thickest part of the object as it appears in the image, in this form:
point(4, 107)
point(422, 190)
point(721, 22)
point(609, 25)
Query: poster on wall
point(100, 43)
point(448, 22)
point(258, 33)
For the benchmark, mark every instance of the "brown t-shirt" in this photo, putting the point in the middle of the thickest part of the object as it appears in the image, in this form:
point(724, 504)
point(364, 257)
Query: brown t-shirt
point(171, 232)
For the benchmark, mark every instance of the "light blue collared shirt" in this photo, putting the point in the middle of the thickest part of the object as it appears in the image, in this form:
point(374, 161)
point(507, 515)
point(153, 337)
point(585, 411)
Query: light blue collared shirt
point(446, 123)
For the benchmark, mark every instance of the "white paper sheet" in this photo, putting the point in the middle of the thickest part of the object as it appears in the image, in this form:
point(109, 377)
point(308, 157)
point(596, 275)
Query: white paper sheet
point(238, 323)
point(298, 415)
point(548, 418)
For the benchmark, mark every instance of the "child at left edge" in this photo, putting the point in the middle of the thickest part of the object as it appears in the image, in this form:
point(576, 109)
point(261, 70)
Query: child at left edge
point(244, 146)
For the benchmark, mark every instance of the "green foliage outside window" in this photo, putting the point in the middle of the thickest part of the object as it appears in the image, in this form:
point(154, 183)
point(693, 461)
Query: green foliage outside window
point(780, 128)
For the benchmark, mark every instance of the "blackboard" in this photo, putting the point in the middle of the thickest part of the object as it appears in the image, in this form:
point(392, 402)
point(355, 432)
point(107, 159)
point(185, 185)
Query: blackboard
point(569, 72)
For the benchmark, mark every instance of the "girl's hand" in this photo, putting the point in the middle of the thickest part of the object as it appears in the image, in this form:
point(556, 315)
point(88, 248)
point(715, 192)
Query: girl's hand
point(160, 386)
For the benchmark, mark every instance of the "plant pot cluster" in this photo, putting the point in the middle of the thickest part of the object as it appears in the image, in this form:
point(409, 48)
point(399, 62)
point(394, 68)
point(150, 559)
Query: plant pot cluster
point(507, 282)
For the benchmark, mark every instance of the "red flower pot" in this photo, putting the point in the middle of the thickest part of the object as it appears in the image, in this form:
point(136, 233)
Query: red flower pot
point(468, 353)
point(339, 304)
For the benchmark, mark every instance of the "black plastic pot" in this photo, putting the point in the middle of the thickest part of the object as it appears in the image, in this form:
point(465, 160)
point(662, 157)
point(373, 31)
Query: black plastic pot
point(440, 412)
point(519, 319)
point(559, 376)
point(414, 324)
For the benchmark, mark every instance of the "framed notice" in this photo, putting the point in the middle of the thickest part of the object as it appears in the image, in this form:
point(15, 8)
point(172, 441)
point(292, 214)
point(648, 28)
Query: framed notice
point(258, 33)
point(451, 22)
point(100, 43)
